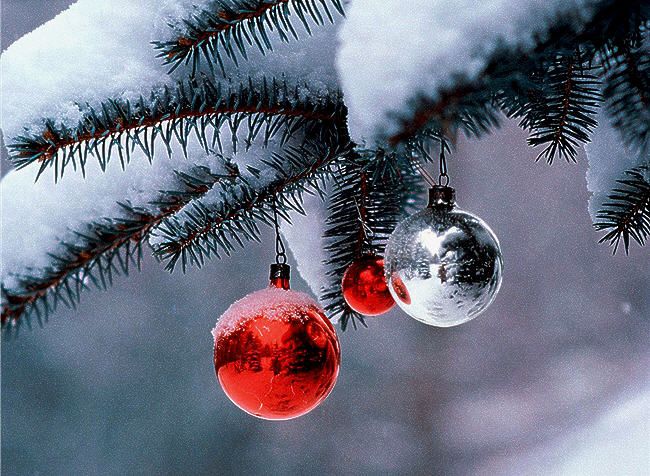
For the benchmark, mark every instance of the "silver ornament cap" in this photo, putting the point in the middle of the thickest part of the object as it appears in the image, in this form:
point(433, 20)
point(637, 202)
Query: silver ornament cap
point(443, 265)
point(442, 196)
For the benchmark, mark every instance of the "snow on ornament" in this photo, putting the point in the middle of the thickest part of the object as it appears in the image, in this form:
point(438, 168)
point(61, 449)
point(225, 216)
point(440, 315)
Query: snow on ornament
point(364, 287)
point(276, 355)
point(443, 265)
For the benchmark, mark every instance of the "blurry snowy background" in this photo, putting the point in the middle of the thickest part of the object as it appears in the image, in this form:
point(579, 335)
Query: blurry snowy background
point(553, 379)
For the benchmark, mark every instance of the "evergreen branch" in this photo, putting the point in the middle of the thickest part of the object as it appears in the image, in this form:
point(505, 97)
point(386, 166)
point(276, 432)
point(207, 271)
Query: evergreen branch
point(228, 27)
point(370, 189)
point(562, 114)
point(197, 108)
point(432, 114)
point(511, 77)
point(627, 90)
point(203, 231)
point(627, 213)
point(109, 247)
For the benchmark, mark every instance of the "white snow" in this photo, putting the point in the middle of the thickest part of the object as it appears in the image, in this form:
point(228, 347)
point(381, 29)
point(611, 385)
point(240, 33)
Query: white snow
point(91, 51)
point(98, 50)
point(305, 239)
point(272, 303)
point(608, 159)
point(36, 216)
point(252, 157)
point(393, 52)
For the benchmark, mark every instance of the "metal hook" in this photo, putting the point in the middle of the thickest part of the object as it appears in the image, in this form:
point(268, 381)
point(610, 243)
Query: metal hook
point(280, 250)
point(443, 176)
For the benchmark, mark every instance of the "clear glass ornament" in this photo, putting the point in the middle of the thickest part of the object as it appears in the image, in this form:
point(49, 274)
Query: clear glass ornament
point(443, 265)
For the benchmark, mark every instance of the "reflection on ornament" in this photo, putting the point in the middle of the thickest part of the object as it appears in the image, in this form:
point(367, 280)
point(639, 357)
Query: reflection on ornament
point(364, 287)
point(443, 265)
point(399, 290)
point(276, 355)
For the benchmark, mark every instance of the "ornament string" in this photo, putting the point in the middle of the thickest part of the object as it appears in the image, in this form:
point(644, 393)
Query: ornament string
point(280, 251)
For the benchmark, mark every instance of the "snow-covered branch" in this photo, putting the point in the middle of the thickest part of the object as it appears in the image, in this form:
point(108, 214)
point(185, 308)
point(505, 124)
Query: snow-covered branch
point(79, 255)
point(212, 225)
point(408, 70)
point(199, 108)
point(226, 29)
point(89, 99)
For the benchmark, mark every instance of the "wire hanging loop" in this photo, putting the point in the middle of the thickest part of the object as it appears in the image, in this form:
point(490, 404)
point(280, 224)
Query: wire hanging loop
point(443, 177)
point(280, 250)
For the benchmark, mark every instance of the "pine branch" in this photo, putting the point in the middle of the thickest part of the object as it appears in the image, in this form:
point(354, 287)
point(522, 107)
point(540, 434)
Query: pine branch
point(555, 97)
point(227, 28)
point(627, 90)
point(107, 248)
point(627, 213)
point(562, 114)
point(509, 77)
point(370, 189)
point(197, 108)
point(203, 231)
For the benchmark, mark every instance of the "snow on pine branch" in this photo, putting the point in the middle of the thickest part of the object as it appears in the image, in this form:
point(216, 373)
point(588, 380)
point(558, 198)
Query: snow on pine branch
point(89, 52)
point(58, 236)
point(225, 29)
point(54, 233)
point(215, 224)
point(392, 56)
point(173, 116)
point(612, 207)
point(98, 51)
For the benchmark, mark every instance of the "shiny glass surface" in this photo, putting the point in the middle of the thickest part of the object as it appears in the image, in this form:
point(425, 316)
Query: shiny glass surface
point(364, 287)
point(280, 363)
point(443, 266)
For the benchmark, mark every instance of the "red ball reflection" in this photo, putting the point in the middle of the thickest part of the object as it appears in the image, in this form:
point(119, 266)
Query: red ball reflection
point(400, 289)
point(276, 360)
point(364, 287)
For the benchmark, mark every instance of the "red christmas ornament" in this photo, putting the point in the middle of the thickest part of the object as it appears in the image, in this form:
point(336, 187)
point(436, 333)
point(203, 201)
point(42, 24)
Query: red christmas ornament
point(276, 354)
point(364, 287)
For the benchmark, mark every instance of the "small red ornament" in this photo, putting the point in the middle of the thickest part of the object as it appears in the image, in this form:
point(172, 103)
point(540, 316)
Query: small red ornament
point(364, 287)
point(276, 354)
